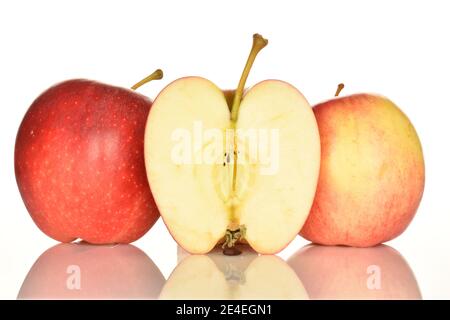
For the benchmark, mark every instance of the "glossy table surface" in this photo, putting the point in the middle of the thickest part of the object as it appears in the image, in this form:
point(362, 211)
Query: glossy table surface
point(155, 267)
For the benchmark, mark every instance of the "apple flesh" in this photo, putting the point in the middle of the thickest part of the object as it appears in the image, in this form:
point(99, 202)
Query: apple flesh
point(200, 201)
point(371, 176)
point(200, 206)
point(83, 271)
point(331, 272)
point(219, 277)
point(79, 163)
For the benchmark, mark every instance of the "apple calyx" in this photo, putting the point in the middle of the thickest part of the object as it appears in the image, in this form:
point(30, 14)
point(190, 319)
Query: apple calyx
point(156, 75)
point(339, 89)
point(231, 238)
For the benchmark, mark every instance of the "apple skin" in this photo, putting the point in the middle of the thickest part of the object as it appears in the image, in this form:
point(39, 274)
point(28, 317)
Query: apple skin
point(105, 272)
point(372, 173)
point(79, 163)
point(337, 272)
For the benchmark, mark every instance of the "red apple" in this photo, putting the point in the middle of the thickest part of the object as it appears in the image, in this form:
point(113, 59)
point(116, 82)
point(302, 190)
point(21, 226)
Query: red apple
point(336, 272)
point(83, 271)
point(79, 163)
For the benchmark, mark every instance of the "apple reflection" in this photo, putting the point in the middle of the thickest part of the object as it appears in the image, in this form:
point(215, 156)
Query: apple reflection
point(83, 271)
point(354, 273)
point(246, 276)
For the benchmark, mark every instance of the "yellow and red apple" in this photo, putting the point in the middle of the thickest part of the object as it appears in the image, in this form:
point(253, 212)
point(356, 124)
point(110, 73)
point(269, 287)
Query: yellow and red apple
point(371, 176)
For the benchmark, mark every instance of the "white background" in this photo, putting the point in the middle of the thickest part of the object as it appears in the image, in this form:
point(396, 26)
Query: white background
point(398, 49)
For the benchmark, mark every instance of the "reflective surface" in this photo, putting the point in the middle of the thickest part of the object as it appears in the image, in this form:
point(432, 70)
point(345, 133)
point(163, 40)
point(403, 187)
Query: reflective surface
point(246, 276)
point(82, 271)
point(354, 273)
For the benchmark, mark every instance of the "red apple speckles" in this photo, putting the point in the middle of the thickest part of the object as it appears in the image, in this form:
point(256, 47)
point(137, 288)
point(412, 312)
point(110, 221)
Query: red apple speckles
point(79, 163)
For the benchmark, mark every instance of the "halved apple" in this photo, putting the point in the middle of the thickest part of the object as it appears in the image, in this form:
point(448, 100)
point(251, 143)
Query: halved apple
point(246, 174)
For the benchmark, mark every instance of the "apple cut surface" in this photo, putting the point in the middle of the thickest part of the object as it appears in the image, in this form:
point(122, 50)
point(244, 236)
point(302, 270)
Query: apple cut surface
point(194, 213)
point(276, 204)
point(202, 199)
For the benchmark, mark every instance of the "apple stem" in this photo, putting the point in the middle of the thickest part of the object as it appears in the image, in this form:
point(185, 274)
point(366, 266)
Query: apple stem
point(156, 75)
point(258, 43)
point(339, 89)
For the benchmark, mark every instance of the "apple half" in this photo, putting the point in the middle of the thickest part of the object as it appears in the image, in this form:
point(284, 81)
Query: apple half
point(246, 174)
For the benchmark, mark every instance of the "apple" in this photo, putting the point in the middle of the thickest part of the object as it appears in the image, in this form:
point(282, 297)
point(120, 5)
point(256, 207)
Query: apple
point(83, 271)
point(245, 175)
point(372, 172)
point(219, 277)
point(337, 272)
point(79, 162)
